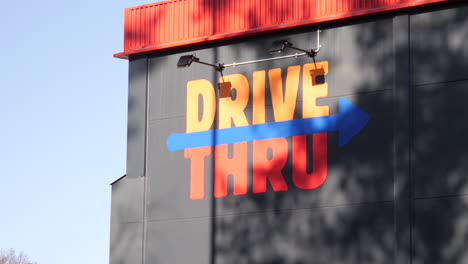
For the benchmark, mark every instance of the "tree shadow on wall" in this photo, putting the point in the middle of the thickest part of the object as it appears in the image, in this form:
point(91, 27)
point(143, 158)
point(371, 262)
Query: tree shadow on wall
point(351, 218)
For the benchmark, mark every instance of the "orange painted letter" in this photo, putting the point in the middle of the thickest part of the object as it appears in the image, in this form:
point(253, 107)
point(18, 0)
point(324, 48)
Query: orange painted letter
point(317, 177)
point(269, 168)
point(197, 170)
point(312, 89)
point(233, 108)
point(235, 166)
point(284, 103)
point(258, 101)
point(205, 89)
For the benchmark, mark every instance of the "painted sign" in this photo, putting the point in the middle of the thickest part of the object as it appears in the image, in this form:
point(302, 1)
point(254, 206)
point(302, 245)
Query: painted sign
point(267, 141)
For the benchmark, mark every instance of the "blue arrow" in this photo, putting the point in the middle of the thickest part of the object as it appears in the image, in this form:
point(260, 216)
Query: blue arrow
point(348, 122)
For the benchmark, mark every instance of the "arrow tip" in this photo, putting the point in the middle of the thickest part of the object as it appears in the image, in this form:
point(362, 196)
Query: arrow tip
point(351, 121)
point(170, 142)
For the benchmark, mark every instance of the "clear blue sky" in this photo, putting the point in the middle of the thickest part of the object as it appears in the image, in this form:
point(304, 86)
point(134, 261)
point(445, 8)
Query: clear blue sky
point(63, 114)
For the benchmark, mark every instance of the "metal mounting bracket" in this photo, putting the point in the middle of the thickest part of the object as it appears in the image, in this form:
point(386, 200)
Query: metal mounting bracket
point(185, 61)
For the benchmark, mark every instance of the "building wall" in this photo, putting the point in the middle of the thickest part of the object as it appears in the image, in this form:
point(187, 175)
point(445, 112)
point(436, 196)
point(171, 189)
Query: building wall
point(439, 65)
point(396, 193)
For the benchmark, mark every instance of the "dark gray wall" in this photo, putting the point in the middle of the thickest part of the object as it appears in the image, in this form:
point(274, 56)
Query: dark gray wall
point(440, 146)
point(126, 239)
point(397, 193)
point(127, 210)
point(136, 131)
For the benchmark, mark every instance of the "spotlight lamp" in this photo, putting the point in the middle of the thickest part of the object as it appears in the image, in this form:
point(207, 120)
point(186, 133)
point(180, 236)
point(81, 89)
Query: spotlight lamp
point(277, 47)
point(186, 61)
point(280, 45)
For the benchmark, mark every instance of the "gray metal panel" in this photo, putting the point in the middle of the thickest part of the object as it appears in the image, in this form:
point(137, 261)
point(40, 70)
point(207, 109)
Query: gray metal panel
point(126, 243)
point(180, 241)
point(440, 139)
point(438, 42)
point(169, 181)
point(402, 140)
point(360, 57)
point(127, 200)
point(361, 214)
point(167, 83)
point(440, 231)
point(136, 118)
point(361, 171)
point(350, 234)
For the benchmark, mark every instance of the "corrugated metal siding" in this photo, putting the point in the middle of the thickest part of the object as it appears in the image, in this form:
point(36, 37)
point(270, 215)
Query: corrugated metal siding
point(178, 23)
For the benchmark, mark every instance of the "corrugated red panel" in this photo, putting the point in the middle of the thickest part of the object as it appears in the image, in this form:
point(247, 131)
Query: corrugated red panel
point(178, 23)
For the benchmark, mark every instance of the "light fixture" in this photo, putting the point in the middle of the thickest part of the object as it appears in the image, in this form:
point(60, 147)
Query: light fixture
point(277, 47)
point(280, 45)
point(186, 61)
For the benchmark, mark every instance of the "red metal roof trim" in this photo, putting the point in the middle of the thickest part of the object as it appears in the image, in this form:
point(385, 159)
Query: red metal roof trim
point(179, 23)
